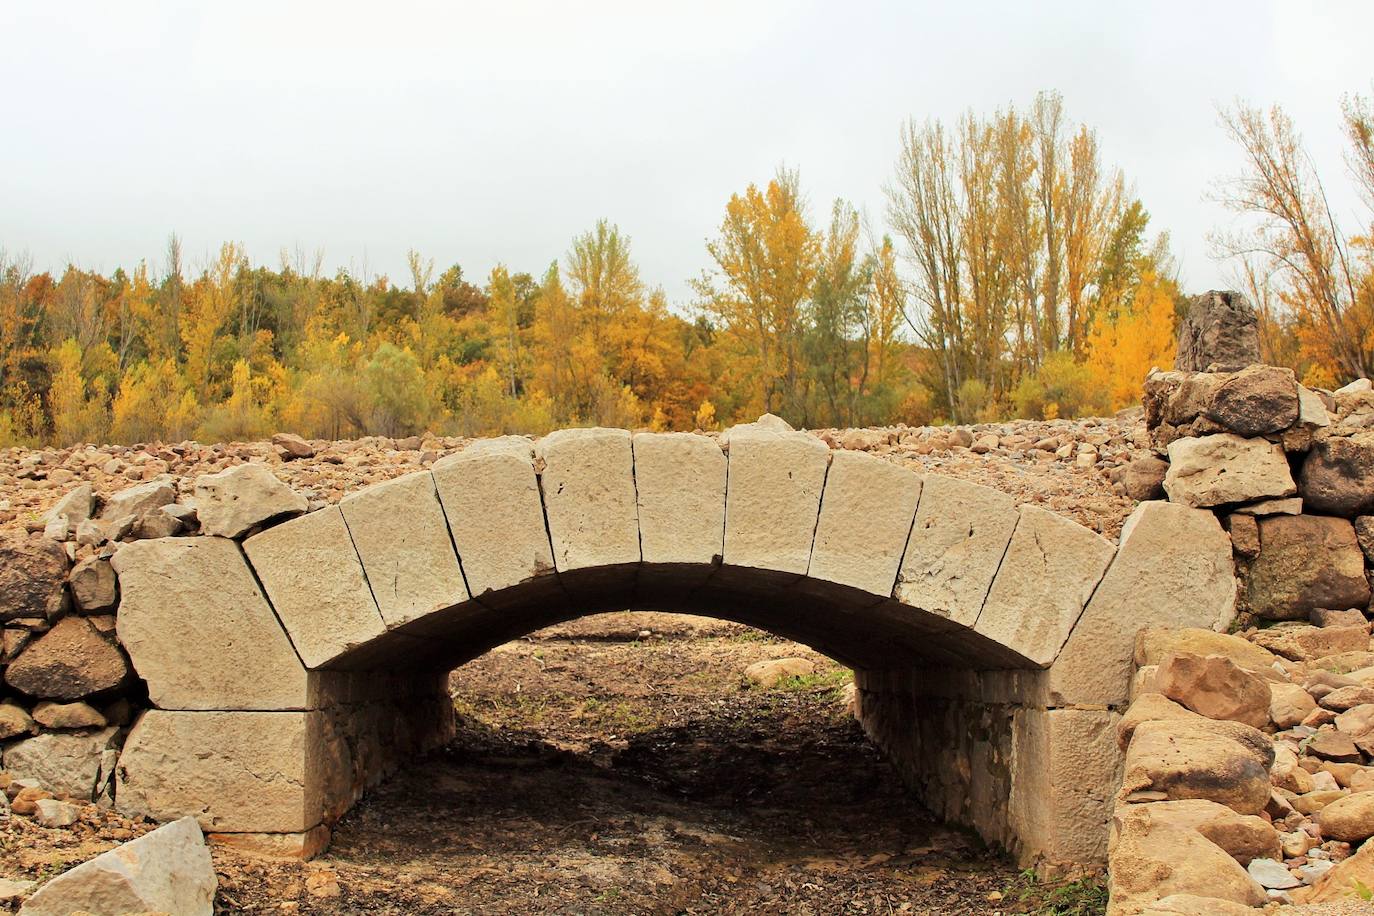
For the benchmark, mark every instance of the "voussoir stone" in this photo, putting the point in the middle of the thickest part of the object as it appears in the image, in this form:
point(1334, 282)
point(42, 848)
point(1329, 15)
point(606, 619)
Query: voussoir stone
point(589, 497)
point(1226, 468)
point(957, 542)
point(865, 519)
point(311, 573)
point(199, 630)
point(1045, 579)
point(1306, 562)
point(402, 538)
point(236, 499)
point(70, 661)
point(491, 496)
point(167, 870)
point(32, 573)
point(1173, 568)
point(680, 490)
point(773, 498)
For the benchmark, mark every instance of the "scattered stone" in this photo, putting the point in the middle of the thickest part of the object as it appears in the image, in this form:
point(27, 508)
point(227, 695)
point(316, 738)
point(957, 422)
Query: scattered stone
point(1185, 760)
point(1271, 874)
point(12, 892)
point(1144, 478)
point(1344, 698)
point(1330, 744)
point(1244, 531)
point(67, 763)
point(133, 502)
point(1289, 704)
point(1304, 643)
point(1156, 644)
point(771, 672)
point(1349, 819)
point(290, 446)
point(1327, 617)
point(1225, 468)
point(1291, 505)
point(1215, 687)
point(77, 505)
point(168, 870)
point(14, 721)
point(68, 662)
point(237, 499)
point(49, 812)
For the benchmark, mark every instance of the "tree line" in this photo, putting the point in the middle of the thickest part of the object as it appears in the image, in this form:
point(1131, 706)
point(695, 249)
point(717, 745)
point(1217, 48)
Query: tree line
point(1014, 273)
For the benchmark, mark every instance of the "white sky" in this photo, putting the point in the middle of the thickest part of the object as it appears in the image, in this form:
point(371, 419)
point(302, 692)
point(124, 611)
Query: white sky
point(478, 132)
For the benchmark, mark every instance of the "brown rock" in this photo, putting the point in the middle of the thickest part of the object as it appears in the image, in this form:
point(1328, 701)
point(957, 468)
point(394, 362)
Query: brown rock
point(1144, 478)
point(1256, 401)
point(1306, 562)
point(1343, 698)
point(1152, 860)
point(67, 715)
point(1327, 617)
point(14, 721)
point(32, 573)
point(1350, 819)
point(1338, 476)
point(1330, 744)
point(1154, 645)
point(1186, 760)
point(1364, 532)
point(1215, 687)
point(1244, 531)
point(1289, 704)
point(1358, 724)
point(293, 446)
point(1155, 707)
point(26, 802)
point(1304, 643)
point(68, 662)
point(93, 585)
point(1345, 883)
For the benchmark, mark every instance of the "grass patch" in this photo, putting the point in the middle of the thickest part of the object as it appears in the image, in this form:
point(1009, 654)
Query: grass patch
point(1081, 897)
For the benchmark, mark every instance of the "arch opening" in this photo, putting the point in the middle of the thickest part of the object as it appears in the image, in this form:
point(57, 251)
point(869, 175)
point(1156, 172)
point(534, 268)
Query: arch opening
point(991, 641)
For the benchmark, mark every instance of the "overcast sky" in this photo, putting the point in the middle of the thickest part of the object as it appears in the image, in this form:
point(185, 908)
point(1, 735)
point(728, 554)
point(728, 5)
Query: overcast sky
point(489, 132)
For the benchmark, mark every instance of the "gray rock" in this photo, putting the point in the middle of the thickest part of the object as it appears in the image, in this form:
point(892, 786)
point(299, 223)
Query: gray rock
point(1221, 331)
point(1226, 468)
point(53, 813)
point(32, 574)
point(1272, 874)
point(137, 500)
point(93, 585)
point(168, 870)
point(64, 764)
point(1256, 401)
point(1338, 476)
point(77, 505)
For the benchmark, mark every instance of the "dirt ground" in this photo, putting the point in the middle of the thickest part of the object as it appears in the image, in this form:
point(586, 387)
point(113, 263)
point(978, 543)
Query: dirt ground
point(622, 764)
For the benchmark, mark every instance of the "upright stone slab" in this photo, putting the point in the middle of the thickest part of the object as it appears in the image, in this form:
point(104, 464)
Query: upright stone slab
point(957, 541)
point(680, 484)
point(200, 632)
point(865, 518)
point(315, 582)
point(404, 544)
point(1172, 569)
point(491, 497)
point(254, 772)
point(1048, 574)
point(589, 498)
point(773, 498)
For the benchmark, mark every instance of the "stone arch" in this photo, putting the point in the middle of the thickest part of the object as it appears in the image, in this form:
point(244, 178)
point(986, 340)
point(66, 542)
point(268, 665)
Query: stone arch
point(991, 641)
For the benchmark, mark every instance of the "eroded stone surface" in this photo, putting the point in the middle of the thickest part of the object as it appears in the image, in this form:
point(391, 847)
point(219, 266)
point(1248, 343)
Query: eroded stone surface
point(773, 498)
point(315, 581)
point(865, 519)
point(680, 488)
point(589, 497)
point(957, 542)
point(1225, 468)
point(231, 502)
point(1306, 562)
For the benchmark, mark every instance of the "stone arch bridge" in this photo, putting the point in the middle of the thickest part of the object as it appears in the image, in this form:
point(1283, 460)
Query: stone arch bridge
point(992, 643)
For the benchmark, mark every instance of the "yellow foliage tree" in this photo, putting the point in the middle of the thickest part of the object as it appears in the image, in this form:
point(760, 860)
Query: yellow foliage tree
point(1142, 336)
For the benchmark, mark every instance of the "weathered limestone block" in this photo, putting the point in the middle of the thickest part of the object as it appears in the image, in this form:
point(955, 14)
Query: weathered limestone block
point(403, 541)
point(1065, 771)
point(70, 661)
point(1306, 562)
point(32, 573)
point(773, 498)
point(1224, 468)
point(491, 496)
point(1048, 574)
point(232, 501)
point(589, 497)
point(65, 764)
point(865, 520)
point(680, 486)
point(256, 772)
point(1215, 687)
point(168, 871)
point(199, 630)
point(957, 542)
point(313, 577)
point(1172, 569)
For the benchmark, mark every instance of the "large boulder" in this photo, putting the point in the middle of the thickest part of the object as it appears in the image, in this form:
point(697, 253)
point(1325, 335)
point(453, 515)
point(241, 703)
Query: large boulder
point(1207, 471)
point(1187, 760)
point(1154, 645)
point(1155, 707)
point(237, 499)
point(70, 661)
point(1153, 859)
point(1220, 332)
point(68, 764)
point(1256, 401)
point(1338, 476)
point(1243, 836)
point(1306, 562)
point(32, 573)
point(1349, 819)
point(168, 871)
point(1215, 687)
